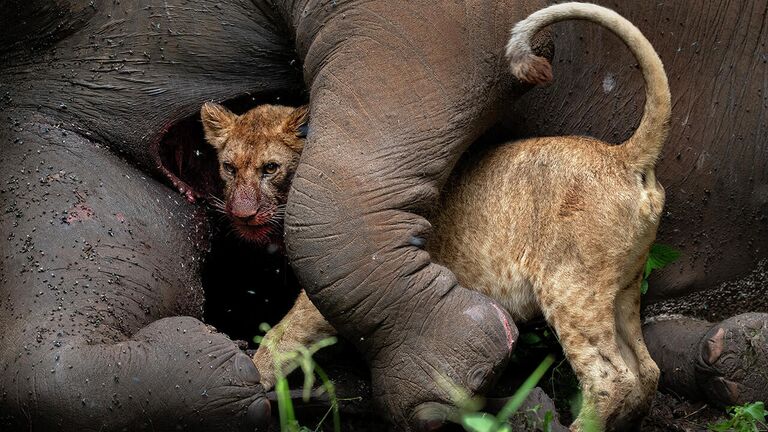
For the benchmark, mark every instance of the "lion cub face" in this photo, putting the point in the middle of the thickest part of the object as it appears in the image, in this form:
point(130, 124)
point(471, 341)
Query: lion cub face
point(258, 153)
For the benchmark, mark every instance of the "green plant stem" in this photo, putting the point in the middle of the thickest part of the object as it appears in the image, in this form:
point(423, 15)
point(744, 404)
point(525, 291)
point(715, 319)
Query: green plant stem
point(285, 406)
point(518, 398)
point(331, 390)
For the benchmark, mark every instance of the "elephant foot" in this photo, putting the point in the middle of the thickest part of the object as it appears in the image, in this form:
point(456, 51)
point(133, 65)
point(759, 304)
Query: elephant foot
point(724, 363)
point(537, 413)
point(733, 360)
point(455, 353)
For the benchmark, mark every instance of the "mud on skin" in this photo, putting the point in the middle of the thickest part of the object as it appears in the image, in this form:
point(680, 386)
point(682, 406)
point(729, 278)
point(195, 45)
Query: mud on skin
point(114, 77)
point(99, 261)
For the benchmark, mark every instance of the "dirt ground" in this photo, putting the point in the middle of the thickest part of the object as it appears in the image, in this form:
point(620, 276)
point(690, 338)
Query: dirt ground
point(670, 413)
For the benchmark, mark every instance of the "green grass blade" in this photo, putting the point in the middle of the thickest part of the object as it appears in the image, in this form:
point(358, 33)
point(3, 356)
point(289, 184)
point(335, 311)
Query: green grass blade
point(331, 391)
point(479, 422)
point(287, 415)
point(518, 398)
point(756, 411)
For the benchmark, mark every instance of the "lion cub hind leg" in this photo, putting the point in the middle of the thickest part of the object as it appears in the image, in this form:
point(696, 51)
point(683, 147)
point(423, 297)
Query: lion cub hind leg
point(636, 353)
point(586, 327)
point(301, 326)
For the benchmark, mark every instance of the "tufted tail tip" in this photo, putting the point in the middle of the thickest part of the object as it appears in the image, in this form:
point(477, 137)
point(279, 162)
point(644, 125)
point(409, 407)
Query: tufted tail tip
point(531, 69)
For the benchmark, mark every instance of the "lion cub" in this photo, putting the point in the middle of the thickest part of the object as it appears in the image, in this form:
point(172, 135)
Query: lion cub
point(559, 226)
point(258, 153)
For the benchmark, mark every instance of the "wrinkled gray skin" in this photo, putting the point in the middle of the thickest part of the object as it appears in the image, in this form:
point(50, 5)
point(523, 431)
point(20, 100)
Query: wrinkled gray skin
point(99, 261)
point(725, 363)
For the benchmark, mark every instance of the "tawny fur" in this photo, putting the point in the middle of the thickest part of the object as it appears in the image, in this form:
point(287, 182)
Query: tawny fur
point(258, 153)
point(559, 226)
point(578, 227)
point(302, 326)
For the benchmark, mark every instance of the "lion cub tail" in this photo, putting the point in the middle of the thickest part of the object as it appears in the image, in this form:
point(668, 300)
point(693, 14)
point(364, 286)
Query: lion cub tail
point(643, 148)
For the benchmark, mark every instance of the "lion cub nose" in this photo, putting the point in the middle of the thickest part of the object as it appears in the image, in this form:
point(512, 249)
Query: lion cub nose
point(244, 214)
point(243, 204)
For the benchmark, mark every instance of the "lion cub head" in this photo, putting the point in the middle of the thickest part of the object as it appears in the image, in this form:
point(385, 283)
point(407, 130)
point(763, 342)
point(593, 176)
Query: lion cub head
point(258, 153)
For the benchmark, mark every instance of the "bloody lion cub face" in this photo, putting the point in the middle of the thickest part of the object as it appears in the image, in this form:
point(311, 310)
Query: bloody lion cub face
point(258, 153)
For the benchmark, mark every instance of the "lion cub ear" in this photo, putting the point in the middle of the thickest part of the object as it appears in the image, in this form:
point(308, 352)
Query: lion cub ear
point(298, 121)
point(217, 123)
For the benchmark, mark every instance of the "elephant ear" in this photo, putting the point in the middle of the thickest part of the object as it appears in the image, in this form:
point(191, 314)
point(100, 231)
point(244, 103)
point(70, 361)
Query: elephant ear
point(298, 121)
point(217, 123)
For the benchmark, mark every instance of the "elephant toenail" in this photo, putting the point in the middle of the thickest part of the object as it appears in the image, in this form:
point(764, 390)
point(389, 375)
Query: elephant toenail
point(258, 415)
point(510, 331)
point(732, 389)
point(727, 391)
point(714, 346)
point(477, 377)
point(430, 416)
point(246, 370)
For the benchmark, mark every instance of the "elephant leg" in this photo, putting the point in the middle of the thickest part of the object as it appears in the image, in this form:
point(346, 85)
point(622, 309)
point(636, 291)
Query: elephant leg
point(398, 92)
point(98, 262)
point(303, 325)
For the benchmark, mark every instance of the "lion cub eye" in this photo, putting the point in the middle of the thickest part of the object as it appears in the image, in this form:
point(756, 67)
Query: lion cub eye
point(229, 168)
point(270, 167)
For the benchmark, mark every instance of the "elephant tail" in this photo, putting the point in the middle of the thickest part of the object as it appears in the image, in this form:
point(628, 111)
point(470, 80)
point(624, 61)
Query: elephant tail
point(643, 148)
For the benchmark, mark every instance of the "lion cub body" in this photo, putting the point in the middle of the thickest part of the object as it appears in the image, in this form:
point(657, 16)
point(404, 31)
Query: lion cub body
point(543, 222)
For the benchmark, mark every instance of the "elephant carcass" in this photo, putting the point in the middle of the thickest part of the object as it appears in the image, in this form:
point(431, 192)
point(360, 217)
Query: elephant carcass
point(101, 260)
